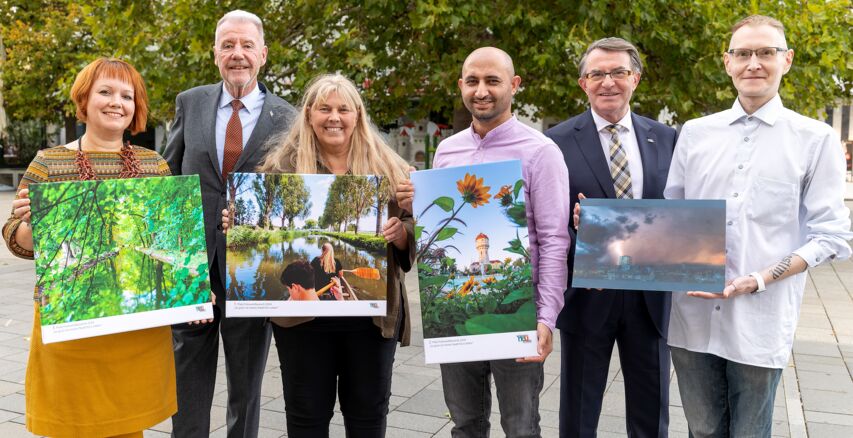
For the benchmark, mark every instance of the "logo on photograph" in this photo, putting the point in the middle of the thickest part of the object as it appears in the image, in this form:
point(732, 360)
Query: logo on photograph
point(199, 308)
point(374, 305)
point(524, 339)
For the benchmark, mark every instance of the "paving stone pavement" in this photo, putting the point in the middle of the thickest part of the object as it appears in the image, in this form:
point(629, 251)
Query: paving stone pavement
point(814, 399)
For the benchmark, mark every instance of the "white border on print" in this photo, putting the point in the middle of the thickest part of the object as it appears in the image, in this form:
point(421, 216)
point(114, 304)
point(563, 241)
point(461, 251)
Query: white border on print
point(262, 308)
point(494, 346)
point(108, 325)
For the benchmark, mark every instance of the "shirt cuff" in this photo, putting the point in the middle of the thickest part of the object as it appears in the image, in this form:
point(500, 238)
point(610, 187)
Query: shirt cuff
point(550, 321)
point(14, 248)
point(814, 254)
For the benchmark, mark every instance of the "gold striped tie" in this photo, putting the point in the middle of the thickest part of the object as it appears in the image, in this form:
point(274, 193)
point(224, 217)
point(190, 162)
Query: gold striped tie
point(619, 166)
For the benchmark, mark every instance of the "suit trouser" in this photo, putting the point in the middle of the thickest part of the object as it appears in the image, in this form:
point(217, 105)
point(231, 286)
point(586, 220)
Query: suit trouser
point(644, 357)
point(246, 342)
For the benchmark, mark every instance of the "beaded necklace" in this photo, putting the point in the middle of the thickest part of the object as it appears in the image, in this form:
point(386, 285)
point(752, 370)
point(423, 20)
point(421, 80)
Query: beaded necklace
point(129, 163)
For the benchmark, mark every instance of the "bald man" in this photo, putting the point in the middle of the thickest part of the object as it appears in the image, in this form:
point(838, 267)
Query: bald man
point(488, 84)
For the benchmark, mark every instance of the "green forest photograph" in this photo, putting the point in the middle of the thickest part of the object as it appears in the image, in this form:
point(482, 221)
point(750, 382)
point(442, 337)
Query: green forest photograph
point(118, 247)
point(327, 226)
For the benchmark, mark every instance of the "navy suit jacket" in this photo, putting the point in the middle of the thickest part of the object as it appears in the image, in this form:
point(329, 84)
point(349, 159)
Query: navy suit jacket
point(589, 173)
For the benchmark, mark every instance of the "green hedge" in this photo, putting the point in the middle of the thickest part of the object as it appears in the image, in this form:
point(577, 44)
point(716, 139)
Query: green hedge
point(246, 236)
point(364, 241)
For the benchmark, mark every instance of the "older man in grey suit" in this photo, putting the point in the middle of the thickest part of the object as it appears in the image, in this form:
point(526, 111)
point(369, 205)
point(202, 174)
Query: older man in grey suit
point(219, 129)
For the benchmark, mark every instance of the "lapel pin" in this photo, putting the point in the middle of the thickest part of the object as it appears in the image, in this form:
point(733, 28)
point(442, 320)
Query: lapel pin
point(650, 140)
point(271, 114)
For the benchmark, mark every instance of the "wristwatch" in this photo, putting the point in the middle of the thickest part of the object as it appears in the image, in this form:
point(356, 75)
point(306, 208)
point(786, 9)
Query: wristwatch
point(760, 280)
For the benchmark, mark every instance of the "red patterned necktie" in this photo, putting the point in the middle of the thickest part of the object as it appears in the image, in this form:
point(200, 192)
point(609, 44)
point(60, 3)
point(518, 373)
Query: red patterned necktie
point(233, 140)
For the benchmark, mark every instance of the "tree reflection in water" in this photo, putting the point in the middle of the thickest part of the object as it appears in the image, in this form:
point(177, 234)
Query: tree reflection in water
point(253, 273)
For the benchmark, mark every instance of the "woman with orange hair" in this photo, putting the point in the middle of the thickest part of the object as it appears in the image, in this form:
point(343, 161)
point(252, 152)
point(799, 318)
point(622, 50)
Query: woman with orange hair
point(106, 386)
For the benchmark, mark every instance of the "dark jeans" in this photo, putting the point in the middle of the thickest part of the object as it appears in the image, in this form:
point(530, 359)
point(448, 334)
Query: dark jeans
point(318, 360)
point(246, 342)
point(467, 392)
point(722, 398)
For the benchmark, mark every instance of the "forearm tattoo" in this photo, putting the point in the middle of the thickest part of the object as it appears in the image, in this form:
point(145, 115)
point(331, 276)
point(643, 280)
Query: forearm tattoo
point(782, 267)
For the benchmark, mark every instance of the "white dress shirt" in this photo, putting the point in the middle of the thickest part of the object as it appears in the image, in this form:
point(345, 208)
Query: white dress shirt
point(782, 176)
point(253, 103)
point(628, 138)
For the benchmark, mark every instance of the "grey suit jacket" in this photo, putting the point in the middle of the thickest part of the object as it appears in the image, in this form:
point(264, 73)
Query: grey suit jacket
point(191, 150)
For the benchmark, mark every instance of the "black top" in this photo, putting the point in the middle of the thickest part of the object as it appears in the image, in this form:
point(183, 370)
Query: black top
point(322, 278)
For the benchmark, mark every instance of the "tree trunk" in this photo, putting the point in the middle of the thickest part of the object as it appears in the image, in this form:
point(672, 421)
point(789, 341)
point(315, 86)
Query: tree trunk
point(70, 129)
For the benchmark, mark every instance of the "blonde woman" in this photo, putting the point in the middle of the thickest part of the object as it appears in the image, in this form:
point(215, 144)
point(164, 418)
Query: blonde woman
point(326, 269)
point(332, 134)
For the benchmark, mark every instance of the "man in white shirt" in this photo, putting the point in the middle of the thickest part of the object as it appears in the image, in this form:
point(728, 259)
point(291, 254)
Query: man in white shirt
point(782, 176)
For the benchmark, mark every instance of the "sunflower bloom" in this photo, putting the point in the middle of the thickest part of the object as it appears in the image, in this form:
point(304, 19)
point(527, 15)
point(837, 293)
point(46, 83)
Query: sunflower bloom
point(505, 195)
point(466, 287)
point(472, 190)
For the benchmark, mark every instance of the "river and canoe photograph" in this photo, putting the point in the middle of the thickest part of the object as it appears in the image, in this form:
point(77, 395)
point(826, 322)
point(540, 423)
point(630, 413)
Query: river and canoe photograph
point(476, 287)
point(119, 255)
point(306, 245)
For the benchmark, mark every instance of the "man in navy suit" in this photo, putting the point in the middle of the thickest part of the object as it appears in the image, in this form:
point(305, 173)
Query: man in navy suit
point(613, 153)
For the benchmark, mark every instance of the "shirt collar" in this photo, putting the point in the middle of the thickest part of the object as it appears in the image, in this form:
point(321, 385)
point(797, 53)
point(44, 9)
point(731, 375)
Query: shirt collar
point(249, 101)
point(497, 132)
point(768, 113)
point(601, 123)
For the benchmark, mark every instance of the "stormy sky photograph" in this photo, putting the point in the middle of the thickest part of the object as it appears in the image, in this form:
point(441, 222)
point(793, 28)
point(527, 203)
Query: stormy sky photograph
point(650, 239)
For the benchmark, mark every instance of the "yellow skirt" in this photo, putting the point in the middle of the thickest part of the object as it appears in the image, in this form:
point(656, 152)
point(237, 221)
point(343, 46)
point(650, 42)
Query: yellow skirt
point(102, 386)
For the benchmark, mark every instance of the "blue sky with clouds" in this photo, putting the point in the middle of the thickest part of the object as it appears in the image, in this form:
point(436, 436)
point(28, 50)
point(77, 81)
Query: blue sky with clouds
point(488, 219)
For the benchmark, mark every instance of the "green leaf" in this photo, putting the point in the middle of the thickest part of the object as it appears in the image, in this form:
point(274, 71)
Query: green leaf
point(518, 294)
point(445, 203)
point(446, 233)
point(495, 323)
point(461, 330)
point(432, 280)
point(517, 189)
point(418, 231)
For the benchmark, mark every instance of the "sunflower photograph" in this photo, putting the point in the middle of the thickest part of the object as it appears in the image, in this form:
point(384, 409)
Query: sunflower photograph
point(473, 254)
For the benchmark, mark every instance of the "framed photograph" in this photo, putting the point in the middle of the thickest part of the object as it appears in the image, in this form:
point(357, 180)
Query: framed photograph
point(306, 245)
point(651, 244)
point(476, 287)
point(119, 255)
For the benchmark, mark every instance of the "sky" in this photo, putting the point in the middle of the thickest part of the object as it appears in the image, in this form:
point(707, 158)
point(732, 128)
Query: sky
point(653, 231)
point(488, 219)
point(318, 186)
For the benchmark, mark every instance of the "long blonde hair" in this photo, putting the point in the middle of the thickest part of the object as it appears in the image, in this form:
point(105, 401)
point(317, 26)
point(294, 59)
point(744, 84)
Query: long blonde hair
point(327, 258)
point(299, 148)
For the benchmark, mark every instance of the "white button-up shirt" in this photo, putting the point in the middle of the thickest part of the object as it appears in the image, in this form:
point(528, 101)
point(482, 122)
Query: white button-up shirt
point(628, 138)
point(253, 103)
point(782, 176)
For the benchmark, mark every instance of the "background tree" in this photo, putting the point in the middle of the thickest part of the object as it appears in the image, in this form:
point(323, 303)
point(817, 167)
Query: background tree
point(360, 195)
point(380, 188)
point(267, 194)
point(411, 67)
point(294, 198)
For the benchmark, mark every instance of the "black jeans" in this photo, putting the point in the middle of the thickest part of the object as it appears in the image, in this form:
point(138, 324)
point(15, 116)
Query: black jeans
point(318, 358)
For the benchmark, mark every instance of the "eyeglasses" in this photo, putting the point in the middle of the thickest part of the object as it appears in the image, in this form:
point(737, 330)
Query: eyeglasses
point(763, 54)
point(616, 75)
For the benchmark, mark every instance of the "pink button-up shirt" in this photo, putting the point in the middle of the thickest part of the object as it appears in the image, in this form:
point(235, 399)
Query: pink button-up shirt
point(546, 191)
